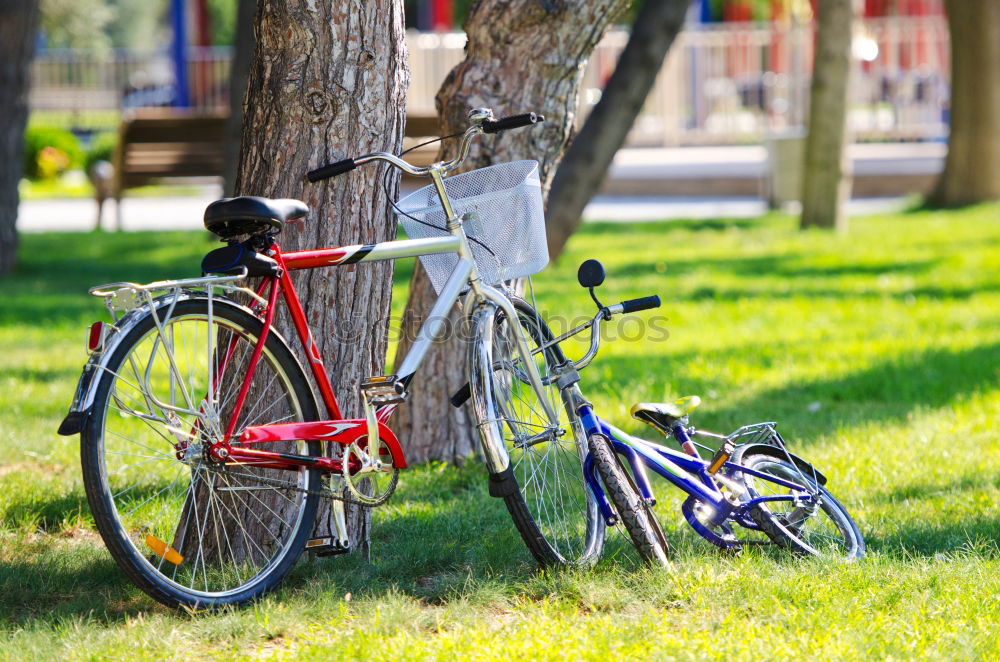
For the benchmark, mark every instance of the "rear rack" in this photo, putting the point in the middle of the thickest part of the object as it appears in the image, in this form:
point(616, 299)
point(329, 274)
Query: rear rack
point(757, 433)
point(122, 297)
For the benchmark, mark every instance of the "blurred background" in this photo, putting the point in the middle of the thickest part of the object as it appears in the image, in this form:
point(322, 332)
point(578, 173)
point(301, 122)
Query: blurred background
point(721, 133)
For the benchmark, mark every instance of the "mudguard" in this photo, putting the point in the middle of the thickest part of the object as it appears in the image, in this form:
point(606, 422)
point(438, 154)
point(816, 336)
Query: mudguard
point(780, 454)
point(83, 397)
point(86, 389)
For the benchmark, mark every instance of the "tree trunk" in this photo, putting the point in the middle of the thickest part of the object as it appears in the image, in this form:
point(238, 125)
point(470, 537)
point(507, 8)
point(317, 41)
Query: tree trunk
point(972, 167)
point(586, 162)
point(18, 27)
point(826, 178)
point(522, 55)
point(242, 54)
point(328, 81)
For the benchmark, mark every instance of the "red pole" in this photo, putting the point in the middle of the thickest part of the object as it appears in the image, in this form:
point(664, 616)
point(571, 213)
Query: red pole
point(202, 24)
point(202, 38)
point(442, 15)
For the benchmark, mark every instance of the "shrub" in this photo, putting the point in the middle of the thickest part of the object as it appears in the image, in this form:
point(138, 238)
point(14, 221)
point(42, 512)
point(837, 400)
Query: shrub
point(50, 151)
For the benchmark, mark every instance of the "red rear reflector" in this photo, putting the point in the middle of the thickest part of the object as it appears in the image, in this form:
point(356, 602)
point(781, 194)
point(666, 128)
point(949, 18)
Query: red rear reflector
point(96, 337)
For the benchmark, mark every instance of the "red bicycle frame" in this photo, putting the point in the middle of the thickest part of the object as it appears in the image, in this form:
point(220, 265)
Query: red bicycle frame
point(337, 429)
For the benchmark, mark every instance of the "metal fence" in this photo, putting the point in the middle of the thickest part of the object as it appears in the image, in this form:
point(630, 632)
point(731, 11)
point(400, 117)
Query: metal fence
point(81, 81)
point(721, 84)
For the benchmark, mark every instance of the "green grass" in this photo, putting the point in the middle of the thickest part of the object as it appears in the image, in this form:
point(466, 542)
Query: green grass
point(878, 352)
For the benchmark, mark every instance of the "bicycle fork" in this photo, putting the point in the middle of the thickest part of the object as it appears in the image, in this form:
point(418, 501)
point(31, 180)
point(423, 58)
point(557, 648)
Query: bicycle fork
point(482, 319)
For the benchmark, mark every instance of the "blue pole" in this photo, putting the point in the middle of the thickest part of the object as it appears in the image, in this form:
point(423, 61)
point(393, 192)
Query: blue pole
point(178, 52)
point(704, 15)
point(706, 12)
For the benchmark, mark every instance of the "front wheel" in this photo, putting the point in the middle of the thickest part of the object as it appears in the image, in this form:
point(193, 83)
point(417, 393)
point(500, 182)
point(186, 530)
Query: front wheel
point(547, 497)
point(819, 527)
point(641, 524)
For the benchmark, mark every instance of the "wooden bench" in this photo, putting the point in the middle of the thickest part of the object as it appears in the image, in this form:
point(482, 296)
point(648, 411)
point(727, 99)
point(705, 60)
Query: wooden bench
point(421, 128)
point(163, 143)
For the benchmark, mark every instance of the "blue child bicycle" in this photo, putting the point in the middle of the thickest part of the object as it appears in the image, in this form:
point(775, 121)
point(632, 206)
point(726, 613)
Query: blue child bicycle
point(751, 481)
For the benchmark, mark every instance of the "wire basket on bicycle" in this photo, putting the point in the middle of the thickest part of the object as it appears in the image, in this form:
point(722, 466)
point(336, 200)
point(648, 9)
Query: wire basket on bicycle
point(504, 220)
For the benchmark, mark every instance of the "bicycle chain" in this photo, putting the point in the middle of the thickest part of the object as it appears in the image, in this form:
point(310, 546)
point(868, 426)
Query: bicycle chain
point(330, 494)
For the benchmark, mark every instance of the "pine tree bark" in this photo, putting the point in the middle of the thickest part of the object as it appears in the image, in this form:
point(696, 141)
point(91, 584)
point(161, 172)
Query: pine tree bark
point(590, 154)
point(826, 178)
point(972, 168)
point(522, 55)
point(18, 27)
point(328, 81)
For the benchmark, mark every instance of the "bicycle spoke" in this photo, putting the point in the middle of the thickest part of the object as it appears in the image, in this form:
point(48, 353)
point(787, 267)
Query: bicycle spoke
point(222, 538)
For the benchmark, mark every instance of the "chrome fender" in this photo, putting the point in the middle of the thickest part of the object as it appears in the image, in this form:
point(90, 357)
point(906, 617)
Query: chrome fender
point(86, 389)
point(481, 323)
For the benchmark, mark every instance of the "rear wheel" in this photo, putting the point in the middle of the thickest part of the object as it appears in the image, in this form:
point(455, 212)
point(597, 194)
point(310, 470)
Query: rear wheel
point(819, 527)
point(547, 497)
point(635, 515)
point(189, 529)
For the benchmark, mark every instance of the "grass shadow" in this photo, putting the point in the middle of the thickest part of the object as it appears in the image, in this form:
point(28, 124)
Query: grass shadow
point(617, 228)
point(971, 531)
point(730, 294)
point(788, 265)
point(444, 535)
point(49, 283)
point(965, 483)
point(886, 391)
point(976, 535)
point(62, 578)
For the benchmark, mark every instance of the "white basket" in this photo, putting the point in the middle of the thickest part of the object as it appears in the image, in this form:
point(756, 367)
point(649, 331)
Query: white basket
point(506, 228)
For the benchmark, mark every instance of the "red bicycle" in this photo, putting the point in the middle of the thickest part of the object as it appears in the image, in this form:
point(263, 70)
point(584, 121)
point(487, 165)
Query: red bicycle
point(203, 448)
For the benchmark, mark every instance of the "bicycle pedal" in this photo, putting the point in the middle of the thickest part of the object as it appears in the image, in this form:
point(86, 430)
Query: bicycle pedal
point(384, 390)
point(327, 546)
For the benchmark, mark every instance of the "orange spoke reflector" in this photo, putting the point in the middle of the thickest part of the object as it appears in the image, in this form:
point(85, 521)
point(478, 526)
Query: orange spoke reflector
point(164, 550)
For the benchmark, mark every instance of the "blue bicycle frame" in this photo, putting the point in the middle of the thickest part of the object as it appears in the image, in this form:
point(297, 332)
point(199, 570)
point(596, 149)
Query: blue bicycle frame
point(688, 473)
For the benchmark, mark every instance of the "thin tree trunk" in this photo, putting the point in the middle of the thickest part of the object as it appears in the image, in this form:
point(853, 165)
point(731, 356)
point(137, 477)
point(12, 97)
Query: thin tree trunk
point(826, 178)
point(972, 167)
point(328, 81)
point(18, 27)
point(590, 154)
point(242, 54)
point(522, 55)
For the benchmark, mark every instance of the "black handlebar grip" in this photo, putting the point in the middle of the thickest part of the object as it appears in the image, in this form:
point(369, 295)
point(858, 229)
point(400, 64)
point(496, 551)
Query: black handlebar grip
point(512, 122)
point(644, 303)
point(331, 170)
point(461, 395)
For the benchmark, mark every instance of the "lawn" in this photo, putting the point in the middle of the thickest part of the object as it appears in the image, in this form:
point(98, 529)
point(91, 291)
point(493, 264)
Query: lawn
point(878, 352)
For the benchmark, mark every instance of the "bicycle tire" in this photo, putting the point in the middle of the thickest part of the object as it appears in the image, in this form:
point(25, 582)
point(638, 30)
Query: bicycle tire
point(827, 531)
point(550, 503)
point(633, 512)
point(240, 509)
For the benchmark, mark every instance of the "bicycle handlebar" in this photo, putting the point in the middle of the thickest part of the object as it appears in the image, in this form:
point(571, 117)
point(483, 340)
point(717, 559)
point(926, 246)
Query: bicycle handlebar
point(628, 306)
point(479, 126)
point(512, 122)
point(331, 170)
point(643, 303)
